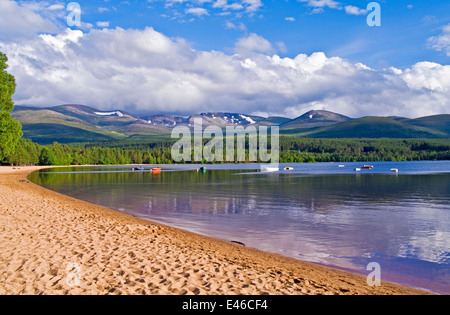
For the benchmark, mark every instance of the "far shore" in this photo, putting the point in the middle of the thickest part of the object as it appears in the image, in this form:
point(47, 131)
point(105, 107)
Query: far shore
point(56, 245)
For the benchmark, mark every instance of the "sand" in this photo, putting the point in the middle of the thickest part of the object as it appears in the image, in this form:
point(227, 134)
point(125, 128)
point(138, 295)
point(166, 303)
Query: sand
point(56, 245)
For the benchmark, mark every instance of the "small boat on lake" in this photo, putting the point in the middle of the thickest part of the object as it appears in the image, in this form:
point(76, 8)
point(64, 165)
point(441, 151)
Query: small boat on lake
point(394, 170)
point(357, 170)
point(269, 168)
point(367, 167)
point(288, 168)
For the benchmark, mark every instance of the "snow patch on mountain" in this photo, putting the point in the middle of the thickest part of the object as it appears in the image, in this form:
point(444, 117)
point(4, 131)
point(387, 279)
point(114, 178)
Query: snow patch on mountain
point(251, 121)
point(117, 113)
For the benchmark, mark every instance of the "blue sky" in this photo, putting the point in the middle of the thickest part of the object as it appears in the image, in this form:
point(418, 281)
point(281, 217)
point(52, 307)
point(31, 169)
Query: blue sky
point(400, 41)
point(260, 57)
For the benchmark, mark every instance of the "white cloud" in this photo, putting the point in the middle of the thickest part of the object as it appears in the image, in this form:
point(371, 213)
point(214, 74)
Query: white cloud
point(281, 46)
point(238, 7)
point(59, 42)
point(317, 11)
point(322, 3)
point(103, 24)
point(428, 76)
point(253, 43)
point(147, 71)
point(350, 9)
point(197, 11)
point(224, 5)
point(442, 41)
point(252, 5)
point(57, 6)
point(18, 19)
point(233, 26)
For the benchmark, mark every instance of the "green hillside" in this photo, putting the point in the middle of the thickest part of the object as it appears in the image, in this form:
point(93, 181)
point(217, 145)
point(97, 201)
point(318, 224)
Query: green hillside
point(79, 123)
point(314, 118)
point(437, 122)
point(49, 133)
point(377, 127)
point(275, 121)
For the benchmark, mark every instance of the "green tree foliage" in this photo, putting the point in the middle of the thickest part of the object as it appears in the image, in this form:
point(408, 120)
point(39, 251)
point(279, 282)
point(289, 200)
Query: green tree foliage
point(10, 129)
point(362, 150)
point(26, 153)
point(293, 150)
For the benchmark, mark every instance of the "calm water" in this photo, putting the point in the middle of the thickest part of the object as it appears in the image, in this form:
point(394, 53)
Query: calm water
point(321, 213)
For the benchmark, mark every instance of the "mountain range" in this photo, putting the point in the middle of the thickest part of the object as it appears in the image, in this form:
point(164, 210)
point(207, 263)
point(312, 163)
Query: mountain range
point(80, 123)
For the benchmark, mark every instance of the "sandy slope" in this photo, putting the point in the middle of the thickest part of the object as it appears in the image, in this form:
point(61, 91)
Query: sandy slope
point(53, 244)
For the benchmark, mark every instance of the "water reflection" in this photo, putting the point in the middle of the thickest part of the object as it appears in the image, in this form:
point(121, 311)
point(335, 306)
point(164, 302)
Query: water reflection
point(345, 220)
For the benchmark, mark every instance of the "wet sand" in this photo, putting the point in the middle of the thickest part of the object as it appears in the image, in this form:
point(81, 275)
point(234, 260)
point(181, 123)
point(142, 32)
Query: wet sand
point(54, 244)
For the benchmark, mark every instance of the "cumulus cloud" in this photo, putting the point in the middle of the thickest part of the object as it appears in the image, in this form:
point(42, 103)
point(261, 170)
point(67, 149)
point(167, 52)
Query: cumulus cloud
point(19, 19)
point(146, 71)
point(253, 43)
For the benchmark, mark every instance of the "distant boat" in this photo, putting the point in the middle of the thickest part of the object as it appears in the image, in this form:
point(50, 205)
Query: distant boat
point(367, 167)
point(202, 169)
point(268, 168)
point(357, 170)
point(394, 170)
point(288, 168)
point(156, 170)
point(139, 168)
point(341, 166)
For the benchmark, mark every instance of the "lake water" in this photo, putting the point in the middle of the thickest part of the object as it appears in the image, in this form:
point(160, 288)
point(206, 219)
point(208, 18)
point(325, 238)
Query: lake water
point(322, 213)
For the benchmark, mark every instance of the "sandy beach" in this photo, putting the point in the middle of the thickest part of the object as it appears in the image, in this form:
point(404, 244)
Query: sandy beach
point(54, 244)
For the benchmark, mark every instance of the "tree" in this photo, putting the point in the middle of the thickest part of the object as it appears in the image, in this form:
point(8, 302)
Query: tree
point(26, 153)
point(10, 129)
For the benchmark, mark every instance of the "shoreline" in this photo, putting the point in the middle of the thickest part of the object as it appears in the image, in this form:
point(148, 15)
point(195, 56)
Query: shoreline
point(54, 244)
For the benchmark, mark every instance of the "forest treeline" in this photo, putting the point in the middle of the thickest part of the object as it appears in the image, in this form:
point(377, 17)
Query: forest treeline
point(292, 150)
